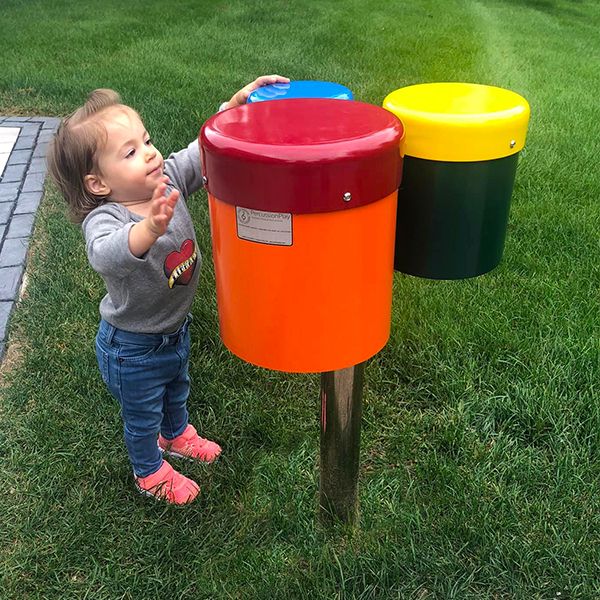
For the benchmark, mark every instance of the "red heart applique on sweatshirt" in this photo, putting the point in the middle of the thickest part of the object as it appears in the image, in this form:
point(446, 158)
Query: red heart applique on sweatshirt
point(179, 265)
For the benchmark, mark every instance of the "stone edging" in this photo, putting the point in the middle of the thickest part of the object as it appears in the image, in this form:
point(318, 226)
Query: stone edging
point(21, 189)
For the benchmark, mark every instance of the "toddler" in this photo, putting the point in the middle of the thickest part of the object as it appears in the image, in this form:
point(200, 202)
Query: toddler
point(140, 238)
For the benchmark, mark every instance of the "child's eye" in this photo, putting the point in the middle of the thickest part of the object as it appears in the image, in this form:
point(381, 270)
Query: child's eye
point(130, 153)
point(149, 142)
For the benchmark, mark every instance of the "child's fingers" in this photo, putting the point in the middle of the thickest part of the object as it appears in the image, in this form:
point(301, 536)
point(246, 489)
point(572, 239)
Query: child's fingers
point(268, 79)
point(167, 205)
point(162, 206)
point(257, 83)
point(157, 204)
point(159, 198)
point(173, 197)
point(159, 192)
point(167, 210)
point(161, 188)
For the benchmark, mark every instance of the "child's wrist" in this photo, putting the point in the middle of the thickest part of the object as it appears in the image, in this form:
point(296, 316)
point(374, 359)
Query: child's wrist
point(150, 229)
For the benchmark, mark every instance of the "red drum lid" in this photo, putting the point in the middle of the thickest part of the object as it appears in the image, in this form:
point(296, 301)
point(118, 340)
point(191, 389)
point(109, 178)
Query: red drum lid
point(302, 155)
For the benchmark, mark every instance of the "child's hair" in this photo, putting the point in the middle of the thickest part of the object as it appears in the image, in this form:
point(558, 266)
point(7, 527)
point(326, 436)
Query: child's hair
point(73, 152)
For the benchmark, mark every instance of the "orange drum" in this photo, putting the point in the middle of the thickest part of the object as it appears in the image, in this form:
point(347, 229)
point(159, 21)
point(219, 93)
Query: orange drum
point(302, 197)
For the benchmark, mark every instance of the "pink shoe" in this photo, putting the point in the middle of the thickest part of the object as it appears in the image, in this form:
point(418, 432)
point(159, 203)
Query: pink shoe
point(190, 445)
point(167, 484)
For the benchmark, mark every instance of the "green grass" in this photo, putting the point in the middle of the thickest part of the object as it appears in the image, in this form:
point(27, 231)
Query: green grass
point(480, 471)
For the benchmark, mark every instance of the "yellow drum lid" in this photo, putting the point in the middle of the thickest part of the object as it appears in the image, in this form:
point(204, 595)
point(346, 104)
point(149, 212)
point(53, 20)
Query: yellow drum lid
point(460, 122)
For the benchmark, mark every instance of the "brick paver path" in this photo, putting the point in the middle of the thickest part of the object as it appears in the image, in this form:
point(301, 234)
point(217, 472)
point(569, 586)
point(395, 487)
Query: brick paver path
point(22, 174)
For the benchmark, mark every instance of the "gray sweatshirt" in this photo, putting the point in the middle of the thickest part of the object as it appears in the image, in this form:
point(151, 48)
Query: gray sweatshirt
point(154, 293)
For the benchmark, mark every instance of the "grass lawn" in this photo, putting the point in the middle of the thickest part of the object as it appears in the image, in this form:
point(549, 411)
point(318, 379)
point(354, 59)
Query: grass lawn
point(480, 470)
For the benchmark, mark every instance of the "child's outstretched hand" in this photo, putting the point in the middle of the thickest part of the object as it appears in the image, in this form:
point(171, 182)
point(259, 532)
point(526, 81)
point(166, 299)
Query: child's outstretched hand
point(241, 97)
point(161, 208)
point(143, 234)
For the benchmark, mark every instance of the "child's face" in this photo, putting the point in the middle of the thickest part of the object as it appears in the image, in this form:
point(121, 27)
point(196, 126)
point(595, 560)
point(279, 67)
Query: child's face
point(130, 166)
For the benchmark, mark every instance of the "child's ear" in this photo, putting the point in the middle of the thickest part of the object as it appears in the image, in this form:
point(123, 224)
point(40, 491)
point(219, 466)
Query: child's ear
point(95, 185)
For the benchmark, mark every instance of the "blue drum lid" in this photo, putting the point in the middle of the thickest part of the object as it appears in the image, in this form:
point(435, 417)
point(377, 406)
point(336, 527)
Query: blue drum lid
point(301, 89)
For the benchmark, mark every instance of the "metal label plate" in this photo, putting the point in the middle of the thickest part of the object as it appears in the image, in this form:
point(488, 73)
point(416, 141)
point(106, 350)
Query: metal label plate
point(272, 228)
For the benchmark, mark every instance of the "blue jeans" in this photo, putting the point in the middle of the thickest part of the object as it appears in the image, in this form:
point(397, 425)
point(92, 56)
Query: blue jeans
point(148, 375)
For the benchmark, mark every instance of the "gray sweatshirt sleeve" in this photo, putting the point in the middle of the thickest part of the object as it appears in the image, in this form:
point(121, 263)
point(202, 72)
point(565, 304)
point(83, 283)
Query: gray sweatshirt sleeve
point(183, 169)
point(106, 231)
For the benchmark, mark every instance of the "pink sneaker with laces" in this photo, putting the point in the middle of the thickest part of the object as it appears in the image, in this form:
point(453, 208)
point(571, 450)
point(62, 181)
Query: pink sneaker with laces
point(169, 485)
point(190, 445)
